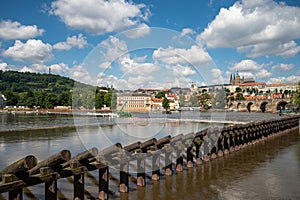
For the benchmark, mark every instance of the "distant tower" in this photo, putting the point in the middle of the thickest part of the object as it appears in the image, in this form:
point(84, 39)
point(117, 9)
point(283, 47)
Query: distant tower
point(49, 70)
point(230, 81)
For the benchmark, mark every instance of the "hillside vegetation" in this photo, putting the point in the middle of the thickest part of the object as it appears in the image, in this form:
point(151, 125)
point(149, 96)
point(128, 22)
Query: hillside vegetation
point(50, 90)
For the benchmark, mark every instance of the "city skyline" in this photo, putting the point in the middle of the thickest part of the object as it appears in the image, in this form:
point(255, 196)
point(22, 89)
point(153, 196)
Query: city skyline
point(134, 44)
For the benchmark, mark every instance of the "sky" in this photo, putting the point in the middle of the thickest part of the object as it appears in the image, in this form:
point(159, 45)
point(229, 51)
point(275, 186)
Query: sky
point(152, 44)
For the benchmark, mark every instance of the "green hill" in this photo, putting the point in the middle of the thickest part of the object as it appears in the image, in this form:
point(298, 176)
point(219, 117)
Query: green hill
point(49, 90)
point(23, 82)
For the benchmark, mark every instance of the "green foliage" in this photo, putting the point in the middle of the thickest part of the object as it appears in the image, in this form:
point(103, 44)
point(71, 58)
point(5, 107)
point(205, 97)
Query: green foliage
point(219, 100)
point(160, 94)
point(239, 96)
point(194, 100)
point(49, 90)
point(166, 103)
point(296, 96)
point(204, 100)
point(238, 89)
point(11, 98)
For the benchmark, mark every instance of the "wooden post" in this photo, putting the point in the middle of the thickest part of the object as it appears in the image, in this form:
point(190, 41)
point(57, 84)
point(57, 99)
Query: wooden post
point(124, 183)
point(15, 194)
point(50, 186)
point(168, 163)
point(78, 184)
point(179, 161)
point(189, 157)
point(155, 166)
point(141, 171)
point(198, 142)
point(103, 183)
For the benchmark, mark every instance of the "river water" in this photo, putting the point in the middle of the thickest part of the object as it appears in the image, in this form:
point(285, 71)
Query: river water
point(267, 170)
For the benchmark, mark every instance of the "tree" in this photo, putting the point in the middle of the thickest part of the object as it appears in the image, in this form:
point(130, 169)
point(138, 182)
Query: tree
point(219, 100)
point(204, 100)
point(194, 100)
point(166, 104)
point(11, 98)
point(160, 94)
point(238, 89)
point(99, 100)
point(107, 99)
point(239, 96)
point(296, 96)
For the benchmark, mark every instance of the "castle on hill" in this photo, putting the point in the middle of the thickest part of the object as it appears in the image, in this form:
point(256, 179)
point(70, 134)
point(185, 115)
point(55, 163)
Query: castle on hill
point(237, 79)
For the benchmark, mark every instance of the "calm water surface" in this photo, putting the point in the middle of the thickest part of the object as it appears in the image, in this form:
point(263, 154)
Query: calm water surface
point(268, 170)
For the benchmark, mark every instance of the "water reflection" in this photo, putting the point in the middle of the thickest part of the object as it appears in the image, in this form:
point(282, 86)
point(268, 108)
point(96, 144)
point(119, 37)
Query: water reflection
point(267, 170)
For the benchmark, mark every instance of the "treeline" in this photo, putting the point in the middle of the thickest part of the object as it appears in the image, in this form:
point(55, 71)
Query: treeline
point(49, 90)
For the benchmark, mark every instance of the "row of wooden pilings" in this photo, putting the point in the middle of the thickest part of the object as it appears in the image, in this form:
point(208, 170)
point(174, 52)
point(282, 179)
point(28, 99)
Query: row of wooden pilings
point(194, 148)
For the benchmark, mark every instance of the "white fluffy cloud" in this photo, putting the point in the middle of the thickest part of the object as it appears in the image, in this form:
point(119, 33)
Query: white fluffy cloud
point(289, 79)
point(251, 69)
point(10, 30)
point(217, 74)
point(195, 56)
point(187, 31)
point(283, 67)
point(256, 27)
point(246, 65)
point(142, 30)
point(34, 51)
point(179, 70)
point(262, 74)
point(130, 66)
point(113, 49)
point(73, 41)
point(100, 16)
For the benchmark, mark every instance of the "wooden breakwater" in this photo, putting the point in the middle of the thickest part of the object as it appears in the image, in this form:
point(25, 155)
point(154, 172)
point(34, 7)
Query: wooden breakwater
point(178, 151)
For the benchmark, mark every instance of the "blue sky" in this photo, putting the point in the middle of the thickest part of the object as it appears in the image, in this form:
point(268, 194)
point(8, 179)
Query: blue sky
point(143, 43)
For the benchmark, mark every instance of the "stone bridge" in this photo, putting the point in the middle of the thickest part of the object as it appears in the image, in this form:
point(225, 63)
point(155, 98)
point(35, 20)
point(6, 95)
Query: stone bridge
point(265, 105)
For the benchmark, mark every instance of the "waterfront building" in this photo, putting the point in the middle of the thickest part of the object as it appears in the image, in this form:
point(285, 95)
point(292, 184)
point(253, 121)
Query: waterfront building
point(134, 102)
point(156, 104)
point(281, 88)
point(252, 85)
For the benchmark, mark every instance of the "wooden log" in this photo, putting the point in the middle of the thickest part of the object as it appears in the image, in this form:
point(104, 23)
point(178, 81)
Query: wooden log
point(110, 150)
point(19, 167)
point(147, 144)
point(83, 158)
point(133, 147)
point(165, 140)
point(53, 161)
point(103, 183)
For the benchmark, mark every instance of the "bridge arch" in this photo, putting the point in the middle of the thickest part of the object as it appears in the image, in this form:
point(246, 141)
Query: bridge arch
point(237, 106)
point(249, 106)
point(263, 106)
point(281, 105)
